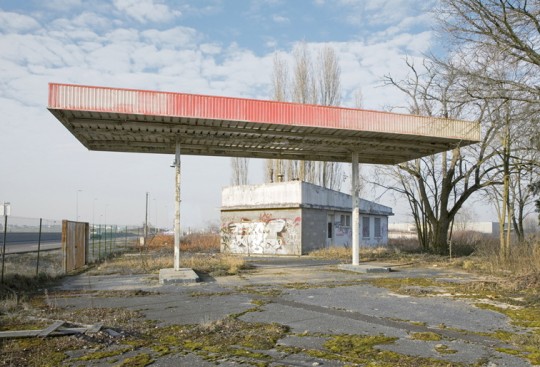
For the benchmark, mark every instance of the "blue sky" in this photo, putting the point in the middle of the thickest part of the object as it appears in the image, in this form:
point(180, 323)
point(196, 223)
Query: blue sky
point(209, 47)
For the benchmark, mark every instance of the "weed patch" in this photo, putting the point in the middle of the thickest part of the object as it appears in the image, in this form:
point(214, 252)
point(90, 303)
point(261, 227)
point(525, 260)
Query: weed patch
point(444, 349)
point(140, 360)
point(363, 350)
point(229, 338)
point(426, 336)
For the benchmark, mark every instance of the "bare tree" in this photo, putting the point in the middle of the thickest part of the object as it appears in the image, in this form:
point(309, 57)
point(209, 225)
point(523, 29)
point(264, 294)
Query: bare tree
point(329, 80)
point(510, 28)
point(438, 186)
point(239, 171)
point(304, 90)
point(309, 83)
point(280, 81)
point(518, 170)
point(499, 56)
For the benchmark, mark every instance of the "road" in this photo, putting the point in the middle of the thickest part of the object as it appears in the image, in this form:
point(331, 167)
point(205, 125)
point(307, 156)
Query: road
point(20, 242)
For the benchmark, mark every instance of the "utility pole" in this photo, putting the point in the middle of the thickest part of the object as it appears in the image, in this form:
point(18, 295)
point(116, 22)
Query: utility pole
point(6, 211)
point(146, 220)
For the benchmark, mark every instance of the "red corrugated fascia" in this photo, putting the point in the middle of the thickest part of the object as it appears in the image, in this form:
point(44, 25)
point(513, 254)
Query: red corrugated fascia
point(143, 102)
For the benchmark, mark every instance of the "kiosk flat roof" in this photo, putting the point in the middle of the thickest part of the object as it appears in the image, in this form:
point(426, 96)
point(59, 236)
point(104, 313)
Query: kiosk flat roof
point(127, 120)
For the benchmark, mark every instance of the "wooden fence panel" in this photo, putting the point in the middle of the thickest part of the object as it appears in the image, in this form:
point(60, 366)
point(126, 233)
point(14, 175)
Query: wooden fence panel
point(75, 244)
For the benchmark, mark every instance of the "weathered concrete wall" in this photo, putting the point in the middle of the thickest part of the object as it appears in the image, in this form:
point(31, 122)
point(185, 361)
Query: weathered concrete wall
point(268, 232)
point(313, 229)
point(291, 218)
point(320, 197)
point(292, 194)
point(282, 194)
point(342, 236)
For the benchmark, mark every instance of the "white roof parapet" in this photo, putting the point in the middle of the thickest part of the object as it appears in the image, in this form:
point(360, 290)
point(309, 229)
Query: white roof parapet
point(293, 194)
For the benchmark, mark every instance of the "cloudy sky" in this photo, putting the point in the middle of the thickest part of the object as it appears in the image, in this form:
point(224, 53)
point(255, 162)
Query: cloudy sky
point(213, 47)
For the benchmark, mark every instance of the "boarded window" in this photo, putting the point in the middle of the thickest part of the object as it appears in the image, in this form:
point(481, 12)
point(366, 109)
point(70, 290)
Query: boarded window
point(329, 230)
point(378, 229)
point(345, 220)
point(365, 227)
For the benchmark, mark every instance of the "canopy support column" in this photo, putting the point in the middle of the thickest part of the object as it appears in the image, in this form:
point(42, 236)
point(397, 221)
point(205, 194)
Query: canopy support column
point(355, 210)
point(177, 232)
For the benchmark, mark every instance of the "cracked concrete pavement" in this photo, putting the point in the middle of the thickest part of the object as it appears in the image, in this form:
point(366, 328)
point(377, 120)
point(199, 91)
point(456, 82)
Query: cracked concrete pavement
point(312, 297)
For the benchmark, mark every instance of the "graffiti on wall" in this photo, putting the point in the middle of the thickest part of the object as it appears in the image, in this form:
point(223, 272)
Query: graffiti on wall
point(342, 230)
point(265, 235)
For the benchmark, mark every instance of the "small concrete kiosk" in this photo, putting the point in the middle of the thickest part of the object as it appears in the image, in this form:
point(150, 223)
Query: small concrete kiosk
point(294, 218)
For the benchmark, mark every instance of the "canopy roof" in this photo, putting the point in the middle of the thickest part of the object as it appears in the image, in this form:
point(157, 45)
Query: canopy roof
point(126, 120)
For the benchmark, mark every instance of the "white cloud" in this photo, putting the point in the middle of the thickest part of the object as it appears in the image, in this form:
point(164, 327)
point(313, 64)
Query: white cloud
point(211, 48)
point(147, 10)
point(62, 5)
point(280, 19)
point(385, 13)
point(17, 23)
point(98, 49)
point(177, 37)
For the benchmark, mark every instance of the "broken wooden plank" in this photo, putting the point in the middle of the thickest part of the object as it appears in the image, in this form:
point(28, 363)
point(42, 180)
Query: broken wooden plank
point(12, 334)
point(113, 333)
point(45, 332)
point(92, 329)
point(56, 329)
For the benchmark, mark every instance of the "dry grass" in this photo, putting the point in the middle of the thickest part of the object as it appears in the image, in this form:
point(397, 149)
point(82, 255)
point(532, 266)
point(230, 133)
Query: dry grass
point(344, 254)
point(201, 242)
point(216, 264)
point(521, 269)
point(151, 261)
point(366, 253)
point(50, 263)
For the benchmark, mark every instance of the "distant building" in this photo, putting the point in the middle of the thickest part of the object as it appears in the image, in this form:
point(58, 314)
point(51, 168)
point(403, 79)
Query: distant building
point(408, 230)
point(294, 218)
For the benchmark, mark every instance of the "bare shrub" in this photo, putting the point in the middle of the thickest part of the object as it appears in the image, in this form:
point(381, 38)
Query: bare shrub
point(521, 267)
point(194, 242)
point(160, 241)
point(464, 243)
point(201, 242)
point(404, 245)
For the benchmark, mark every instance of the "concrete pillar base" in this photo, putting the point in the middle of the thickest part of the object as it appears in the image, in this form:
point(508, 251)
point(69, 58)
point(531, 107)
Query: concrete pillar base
point(362, 268)
point(182, 275)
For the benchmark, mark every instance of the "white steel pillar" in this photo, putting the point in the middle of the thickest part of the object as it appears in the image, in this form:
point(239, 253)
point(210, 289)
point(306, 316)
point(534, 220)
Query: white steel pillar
point(177, 232)
point(355, 210)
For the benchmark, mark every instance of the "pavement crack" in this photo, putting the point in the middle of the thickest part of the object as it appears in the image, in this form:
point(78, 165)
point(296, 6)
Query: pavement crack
point(357, 316)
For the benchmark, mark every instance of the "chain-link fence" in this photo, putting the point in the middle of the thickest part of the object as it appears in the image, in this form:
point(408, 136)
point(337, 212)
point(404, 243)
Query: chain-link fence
point(33, 246)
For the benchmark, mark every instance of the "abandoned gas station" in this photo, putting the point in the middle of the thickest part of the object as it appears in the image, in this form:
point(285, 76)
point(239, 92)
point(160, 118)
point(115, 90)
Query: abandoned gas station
point(139, 121)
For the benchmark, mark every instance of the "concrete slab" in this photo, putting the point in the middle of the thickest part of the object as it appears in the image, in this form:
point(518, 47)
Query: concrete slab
point(363, 268)
point(182, 275)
